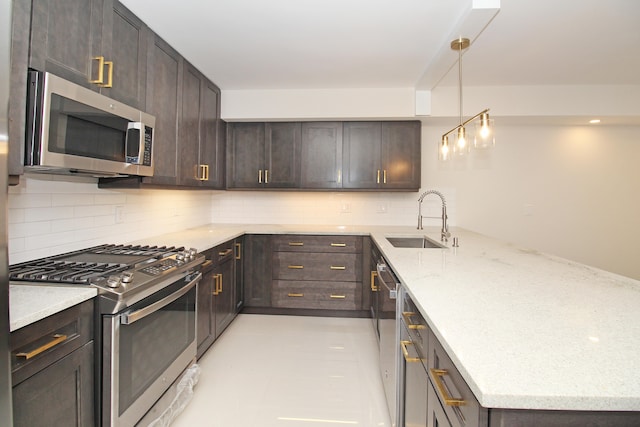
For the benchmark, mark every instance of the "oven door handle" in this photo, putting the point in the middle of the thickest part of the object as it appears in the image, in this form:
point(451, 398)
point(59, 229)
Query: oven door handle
point(129, 318)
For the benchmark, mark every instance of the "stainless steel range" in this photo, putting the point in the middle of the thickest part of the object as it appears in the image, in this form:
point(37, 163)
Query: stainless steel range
point(145, 318)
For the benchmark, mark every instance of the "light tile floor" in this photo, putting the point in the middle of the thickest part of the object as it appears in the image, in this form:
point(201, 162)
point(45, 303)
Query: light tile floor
point(289, 371)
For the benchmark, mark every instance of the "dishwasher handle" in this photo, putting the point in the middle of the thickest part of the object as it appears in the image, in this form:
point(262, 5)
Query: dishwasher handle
point(391, 285)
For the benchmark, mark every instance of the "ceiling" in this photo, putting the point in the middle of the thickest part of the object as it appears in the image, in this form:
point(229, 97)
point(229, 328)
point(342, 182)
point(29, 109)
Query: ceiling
point(319, 44)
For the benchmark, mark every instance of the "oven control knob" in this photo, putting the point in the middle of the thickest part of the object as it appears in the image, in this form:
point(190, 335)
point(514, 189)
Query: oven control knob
point(193, 252)
point(127, 277)
point(113, 281)
point(180, 256)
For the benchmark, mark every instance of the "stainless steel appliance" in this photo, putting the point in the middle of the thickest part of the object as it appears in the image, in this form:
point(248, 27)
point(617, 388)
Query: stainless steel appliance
point(146, 318)
point(6, 418)
point(71, 129)
point(389, 332)
point(413, 379)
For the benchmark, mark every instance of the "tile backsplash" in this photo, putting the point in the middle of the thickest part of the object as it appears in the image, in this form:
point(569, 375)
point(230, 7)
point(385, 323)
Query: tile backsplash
point(50, 214)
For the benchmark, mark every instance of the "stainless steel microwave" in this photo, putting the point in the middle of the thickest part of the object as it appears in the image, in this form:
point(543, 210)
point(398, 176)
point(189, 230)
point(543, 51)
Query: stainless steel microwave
point(74, 130)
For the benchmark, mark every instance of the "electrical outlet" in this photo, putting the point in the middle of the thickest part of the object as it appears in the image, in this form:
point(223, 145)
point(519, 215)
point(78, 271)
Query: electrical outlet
point(382, 208)
point(527, 209)
point(119, 214)
point(345, 207)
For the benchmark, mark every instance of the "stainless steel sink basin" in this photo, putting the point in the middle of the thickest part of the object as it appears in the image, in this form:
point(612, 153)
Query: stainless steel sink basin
point(415, 242)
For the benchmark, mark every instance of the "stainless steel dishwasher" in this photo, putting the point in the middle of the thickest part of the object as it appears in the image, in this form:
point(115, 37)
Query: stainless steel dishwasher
point(389, 336)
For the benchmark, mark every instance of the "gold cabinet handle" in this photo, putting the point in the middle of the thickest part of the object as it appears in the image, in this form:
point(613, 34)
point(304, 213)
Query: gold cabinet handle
point(378, 177)
point(296, 267)
point(266, 176)
point(337, 296)
point(437, 375)
point(260, 176)
point(218, 284)
point(296, 243)
point(338, 267)
point(225, 252)
point(338, 245)
point(238, 251)
point(206, 264)
point(291, 295)
point(374, 287)
point(203, 173)
point(100, 79)
point(384, 176)
point(109, 83)
point(215, 284)
point(57, 339)
point(405, 352)
point(406, 315)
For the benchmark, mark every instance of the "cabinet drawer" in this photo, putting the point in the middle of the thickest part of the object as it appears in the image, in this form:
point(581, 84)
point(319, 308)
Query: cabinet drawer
point(461, 406)
point(40, 344)
point(315, 295)
point(307, 243)
point(317, 266)
point(416, 327)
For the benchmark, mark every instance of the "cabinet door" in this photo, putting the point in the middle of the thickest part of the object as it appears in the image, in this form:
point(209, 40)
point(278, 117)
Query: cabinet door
point(205, 328)
point(163, 84)
point(321, 165)
point(239, 273)
point(245, 155)
point(401, 155)
point(211, 150)
point(126, 45)
point(224, 300)
point(435, 414)
point(361, 155)
point(189, 127)
point(59, 395)
point(282, 155)
point(257, 270)
point(65, 36)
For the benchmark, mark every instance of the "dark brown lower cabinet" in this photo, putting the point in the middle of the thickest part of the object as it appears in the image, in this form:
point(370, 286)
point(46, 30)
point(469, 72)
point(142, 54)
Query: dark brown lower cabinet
point(52, 370)
point(59, 395)
point(257, 270)
point(216, 304)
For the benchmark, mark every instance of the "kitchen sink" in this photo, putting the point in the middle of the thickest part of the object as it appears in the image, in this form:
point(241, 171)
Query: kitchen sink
point(415, 242)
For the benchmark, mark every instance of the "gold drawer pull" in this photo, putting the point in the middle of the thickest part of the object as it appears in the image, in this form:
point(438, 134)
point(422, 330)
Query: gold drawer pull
point(100, 79)
point(338, 296)
point(405, 352)
point(296, 243)
point(225, 252)
point(206, 264)
point(296, 267)
point(374, 287)
point(338, 267)
point(406, 315)
point(217, 280)
point(295, 295)
point(338, 245)
point(238, 250)
point(437, 375)
point(57, 339)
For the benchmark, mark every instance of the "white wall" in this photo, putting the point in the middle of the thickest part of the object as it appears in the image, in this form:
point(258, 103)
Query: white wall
point(50, 215)
point(568, 190)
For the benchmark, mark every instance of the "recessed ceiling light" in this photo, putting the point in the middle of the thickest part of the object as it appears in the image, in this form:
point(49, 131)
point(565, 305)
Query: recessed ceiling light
point(594, 121)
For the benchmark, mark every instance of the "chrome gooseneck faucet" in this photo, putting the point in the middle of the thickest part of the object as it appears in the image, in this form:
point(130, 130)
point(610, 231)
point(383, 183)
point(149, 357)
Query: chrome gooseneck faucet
point(444, 233)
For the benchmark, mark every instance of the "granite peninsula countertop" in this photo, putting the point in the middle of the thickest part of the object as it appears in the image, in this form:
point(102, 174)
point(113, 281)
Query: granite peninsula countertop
point(525, 329)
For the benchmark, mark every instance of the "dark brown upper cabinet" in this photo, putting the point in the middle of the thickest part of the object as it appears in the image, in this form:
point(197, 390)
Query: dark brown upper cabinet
point(321, 155)
point(201, 152)
point(263, 155)
point(98, 44)
point(381, 155)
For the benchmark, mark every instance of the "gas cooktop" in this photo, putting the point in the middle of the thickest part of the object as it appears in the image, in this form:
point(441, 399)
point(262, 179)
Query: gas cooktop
point(122, 274)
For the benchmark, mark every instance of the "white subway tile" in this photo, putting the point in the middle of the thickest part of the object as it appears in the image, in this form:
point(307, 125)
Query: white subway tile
point(47, 214)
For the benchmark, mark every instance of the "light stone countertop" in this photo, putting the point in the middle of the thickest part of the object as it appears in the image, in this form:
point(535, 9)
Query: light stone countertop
point(28, 304)
point(526, 330)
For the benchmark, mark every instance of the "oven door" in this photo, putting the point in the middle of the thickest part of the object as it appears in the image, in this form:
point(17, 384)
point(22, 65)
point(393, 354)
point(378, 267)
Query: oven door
point(145, 349)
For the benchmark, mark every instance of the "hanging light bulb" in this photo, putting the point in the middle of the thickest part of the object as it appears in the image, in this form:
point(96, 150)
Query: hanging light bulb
point(461, 147)
point(484, 136)
point(444, 148)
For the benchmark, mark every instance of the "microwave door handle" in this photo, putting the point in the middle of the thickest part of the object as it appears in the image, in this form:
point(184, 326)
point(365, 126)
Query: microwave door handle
point(129, 318)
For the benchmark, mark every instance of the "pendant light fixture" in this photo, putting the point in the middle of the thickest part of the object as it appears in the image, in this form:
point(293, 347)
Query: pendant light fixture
point(484, 136)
